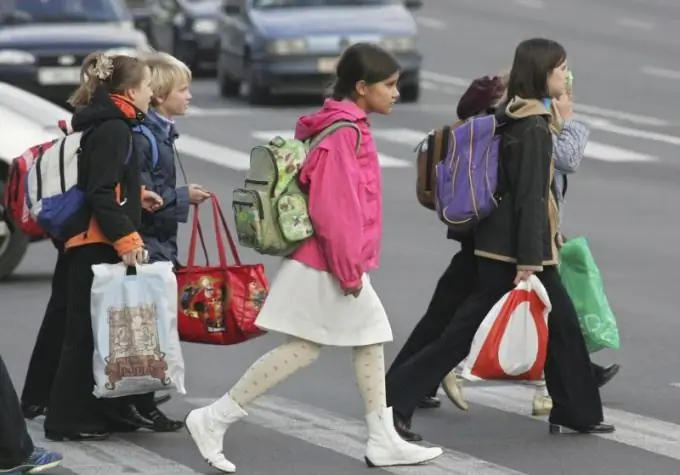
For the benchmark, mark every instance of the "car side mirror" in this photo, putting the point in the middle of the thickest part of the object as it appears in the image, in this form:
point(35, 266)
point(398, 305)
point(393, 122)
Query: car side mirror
point(413, 4)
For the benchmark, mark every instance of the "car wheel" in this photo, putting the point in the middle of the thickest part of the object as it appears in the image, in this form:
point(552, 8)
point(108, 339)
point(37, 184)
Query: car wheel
point(257, 95)
point(410, 93)
point(13, 244)
point(228, 86)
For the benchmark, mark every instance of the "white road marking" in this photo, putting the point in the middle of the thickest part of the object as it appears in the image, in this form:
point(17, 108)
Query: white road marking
point(434, 77)
point(661, 72)
point(428, 22)
point(347, 436)
point(646, 433)
point(605, 125)
point(636, 23)
point(609, 153)
point(109, 457)
point(442, 88)
point(385, 160)
point(537, 4)
point(213, 153)
point(217, 112)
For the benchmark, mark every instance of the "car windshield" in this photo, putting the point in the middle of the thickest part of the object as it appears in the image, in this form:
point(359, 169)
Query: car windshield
point(61, 11)
point(319, 3)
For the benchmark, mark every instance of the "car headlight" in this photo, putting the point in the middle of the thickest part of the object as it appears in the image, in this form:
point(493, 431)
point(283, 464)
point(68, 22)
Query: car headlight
point(122, 51)
point(287, 46)
point(399, 43)
point(16, 56)
point(205, 26)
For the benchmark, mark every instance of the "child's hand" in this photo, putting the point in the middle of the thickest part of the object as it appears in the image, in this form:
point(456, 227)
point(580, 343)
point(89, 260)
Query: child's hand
point(197, 194)
point(151, 201)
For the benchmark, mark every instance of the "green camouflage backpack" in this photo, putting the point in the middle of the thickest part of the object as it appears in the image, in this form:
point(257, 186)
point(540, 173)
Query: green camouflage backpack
point(270, 211)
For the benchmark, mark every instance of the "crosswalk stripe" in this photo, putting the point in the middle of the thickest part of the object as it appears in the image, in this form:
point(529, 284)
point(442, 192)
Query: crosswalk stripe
point(213, 153)
point(385, 160)
point(110, 457)
point(348, 436)
point(635, 430)
point(609, 153)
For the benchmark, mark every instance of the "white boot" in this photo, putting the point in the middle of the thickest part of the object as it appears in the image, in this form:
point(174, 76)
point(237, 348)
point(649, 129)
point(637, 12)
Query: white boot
point(207, 426)
point(385, 448)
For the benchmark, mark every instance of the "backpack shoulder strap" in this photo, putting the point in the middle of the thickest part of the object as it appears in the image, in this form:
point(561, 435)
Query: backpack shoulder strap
point(146, 132)
point(332, 128)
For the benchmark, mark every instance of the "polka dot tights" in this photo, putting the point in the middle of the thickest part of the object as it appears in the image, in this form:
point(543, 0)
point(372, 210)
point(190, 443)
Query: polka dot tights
point(280, 363)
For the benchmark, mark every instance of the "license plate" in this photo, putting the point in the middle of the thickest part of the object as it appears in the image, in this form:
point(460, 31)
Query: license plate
point(326, 65)
point(59, 76)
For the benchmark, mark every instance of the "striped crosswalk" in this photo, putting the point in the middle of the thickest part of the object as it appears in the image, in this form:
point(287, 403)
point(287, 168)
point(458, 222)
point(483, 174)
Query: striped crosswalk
point(346, 436)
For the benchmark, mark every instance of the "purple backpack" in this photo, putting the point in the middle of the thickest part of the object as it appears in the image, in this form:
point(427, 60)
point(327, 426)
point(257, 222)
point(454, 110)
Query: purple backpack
point(467, 177)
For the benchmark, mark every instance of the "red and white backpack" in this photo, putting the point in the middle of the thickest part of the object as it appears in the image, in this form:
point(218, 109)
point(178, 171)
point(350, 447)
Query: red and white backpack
point(15, 190)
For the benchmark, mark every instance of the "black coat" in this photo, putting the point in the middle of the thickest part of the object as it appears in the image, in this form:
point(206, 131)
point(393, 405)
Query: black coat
point(523, 228)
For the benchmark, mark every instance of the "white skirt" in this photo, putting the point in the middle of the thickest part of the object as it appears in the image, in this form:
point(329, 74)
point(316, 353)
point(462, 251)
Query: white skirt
point(310, 304)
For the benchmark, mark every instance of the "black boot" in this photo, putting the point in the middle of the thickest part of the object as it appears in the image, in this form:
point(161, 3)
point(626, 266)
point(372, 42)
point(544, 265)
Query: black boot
point(403, 428)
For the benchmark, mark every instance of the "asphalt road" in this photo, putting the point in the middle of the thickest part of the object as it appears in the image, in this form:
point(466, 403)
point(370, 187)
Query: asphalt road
point(623, 199)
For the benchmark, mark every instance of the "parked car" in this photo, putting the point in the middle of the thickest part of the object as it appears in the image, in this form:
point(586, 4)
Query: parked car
point(292, 46)
point(43, 43)
point(25, 120)
point(187, 29)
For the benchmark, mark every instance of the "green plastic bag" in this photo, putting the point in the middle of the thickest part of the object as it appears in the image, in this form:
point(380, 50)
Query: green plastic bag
point(583, 282)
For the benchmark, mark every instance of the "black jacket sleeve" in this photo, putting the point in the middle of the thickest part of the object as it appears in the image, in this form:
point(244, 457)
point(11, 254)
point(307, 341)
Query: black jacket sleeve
point(105, 151)
point(530, 205)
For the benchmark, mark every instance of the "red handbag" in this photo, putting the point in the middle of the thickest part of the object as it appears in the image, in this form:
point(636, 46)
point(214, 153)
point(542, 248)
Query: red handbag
point(218, 305)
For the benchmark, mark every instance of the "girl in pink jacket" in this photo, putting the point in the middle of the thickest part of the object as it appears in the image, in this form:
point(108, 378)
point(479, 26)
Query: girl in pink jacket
point(322, 295)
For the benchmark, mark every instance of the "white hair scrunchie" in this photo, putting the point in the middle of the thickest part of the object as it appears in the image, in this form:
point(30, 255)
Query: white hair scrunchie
point(102, 68)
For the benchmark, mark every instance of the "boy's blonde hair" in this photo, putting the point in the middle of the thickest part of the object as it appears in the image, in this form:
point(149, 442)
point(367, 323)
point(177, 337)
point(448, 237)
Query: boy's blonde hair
point(167, 73)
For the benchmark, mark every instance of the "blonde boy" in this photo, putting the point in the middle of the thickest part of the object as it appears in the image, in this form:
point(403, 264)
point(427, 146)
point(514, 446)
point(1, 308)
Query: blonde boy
point(170, 82)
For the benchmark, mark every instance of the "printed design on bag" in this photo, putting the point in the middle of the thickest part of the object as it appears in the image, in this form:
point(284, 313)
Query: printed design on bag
point(257, 294)
point(248, 225)
point(206, 300)
point(290, 158)
point(134, 345)
point(294, 218)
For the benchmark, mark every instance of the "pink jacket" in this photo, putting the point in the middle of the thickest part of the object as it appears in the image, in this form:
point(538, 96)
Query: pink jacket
point(345, 202)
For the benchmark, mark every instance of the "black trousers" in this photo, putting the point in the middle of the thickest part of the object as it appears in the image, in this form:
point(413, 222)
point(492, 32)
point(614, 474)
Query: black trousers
point(454, 286)
point(570, 380)
point(44, 362)
point(72, 407)
point(15, 443)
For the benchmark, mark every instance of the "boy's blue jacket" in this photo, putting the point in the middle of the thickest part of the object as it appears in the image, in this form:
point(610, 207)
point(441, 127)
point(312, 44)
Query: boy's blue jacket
point(159, 229)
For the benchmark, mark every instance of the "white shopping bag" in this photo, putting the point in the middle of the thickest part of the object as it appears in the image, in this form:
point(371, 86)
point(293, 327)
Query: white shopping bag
point(512, 341)
point(134, 324)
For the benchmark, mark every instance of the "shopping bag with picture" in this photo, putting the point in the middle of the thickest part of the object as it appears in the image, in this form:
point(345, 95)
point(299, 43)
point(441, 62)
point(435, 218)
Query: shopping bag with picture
point(134, 324)
point(583, 282)
point(512, 341)
point(218, 303)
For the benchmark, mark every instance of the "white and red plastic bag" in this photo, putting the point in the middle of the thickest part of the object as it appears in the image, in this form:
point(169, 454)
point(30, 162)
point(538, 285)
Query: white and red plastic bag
point(512, 341)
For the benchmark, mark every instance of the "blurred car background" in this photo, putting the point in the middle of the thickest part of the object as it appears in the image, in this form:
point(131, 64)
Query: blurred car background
point(43, 42)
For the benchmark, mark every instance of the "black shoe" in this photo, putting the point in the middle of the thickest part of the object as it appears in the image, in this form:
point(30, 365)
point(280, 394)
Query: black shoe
point(130, 416)
point(32, 411)
point(403, 428)
point(429, 402)
point(161, 422)
point(600, 428)
point(608, 374)
point(77, 436)
point(158, 400)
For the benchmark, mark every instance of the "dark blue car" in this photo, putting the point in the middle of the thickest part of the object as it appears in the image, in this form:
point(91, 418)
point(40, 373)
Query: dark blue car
point(43, 42)
point(292, 46)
